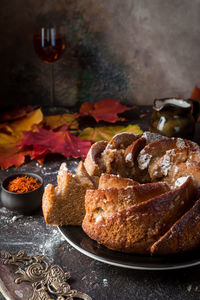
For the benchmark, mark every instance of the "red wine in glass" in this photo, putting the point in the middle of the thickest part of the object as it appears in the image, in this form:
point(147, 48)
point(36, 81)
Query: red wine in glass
point(49, 44)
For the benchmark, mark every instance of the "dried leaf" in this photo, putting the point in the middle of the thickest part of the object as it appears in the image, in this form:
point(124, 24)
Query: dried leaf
point(195, 94)
point(26, 123)
point(16, 113)
point(7, 141)
point(5, 128)
point(12, 157)
point(105, 110)
point(107, 132)
point(39, 153)
point(10, 136)
point(56, 121)
point(61, 142)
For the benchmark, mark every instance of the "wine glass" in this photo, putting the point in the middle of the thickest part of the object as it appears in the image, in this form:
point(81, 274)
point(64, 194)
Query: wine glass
point(50, 44)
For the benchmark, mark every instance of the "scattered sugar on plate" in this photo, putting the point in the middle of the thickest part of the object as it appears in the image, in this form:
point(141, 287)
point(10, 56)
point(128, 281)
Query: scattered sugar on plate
point(105, 282)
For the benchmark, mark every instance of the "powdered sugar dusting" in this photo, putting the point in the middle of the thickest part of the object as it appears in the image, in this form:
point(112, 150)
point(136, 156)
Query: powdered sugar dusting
point(180, 143)
point(129, 157)
point(105, 282)
point(175, 170)
point(63, 167)
point(144, 160)
point(166, 164)
point(152, 137)
point(108, 150)
point(51, 243)
point(180, 181)
point(98, 219)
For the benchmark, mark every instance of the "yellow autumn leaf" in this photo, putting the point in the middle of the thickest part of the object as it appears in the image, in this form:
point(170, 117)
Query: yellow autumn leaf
point(57, 121)
point(8, 141)
point(107, 132)
point(5, 128)
point(26, 123)
point(11, 133)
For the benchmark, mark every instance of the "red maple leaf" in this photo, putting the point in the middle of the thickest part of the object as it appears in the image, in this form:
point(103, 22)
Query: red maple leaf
point(39, 153)
point(12, 157)
point(47, 141)
point(105, 110)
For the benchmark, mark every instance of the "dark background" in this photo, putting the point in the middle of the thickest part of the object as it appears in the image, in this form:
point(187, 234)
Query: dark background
point(135, 50)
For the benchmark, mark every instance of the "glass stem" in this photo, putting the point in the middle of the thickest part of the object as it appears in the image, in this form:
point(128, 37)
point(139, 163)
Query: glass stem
point(52, 86)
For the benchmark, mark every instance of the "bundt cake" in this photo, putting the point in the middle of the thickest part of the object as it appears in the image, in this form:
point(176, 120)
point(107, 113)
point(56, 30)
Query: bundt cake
point(140, 194)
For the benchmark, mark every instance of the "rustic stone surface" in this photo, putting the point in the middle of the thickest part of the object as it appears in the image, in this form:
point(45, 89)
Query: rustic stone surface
point(100, 281)
point(134, 50)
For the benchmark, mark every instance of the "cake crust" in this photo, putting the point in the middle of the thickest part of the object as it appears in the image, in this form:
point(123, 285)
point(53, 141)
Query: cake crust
point(136, 228)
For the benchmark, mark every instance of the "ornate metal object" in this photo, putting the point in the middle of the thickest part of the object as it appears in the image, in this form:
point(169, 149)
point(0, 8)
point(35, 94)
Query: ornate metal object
point(48, 281)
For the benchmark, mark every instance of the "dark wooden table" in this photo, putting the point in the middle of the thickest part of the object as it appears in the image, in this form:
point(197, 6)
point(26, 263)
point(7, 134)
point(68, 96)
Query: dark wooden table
point(99, 280)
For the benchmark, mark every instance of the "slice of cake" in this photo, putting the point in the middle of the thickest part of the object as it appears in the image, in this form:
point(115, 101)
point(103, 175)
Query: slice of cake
point(64, 205)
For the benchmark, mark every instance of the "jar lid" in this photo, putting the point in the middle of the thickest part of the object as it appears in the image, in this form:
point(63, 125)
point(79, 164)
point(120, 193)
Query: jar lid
point(174, 102)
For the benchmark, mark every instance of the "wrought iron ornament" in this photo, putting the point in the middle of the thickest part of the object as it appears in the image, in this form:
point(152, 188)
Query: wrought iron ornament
point(48, 281)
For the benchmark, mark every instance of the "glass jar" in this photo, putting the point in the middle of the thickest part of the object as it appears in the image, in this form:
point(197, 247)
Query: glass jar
point(173, 117)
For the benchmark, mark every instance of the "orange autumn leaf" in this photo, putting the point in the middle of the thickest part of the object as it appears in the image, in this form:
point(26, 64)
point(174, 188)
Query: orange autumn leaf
point(12, 157)
point(105, 110)
point(195, 94)
point(10, 135)
point(56, 121)
point(107, 132)
point(61, 142)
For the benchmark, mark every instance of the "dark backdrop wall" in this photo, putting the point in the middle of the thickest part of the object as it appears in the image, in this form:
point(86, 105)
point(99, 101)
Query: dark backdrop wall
point(136, 50)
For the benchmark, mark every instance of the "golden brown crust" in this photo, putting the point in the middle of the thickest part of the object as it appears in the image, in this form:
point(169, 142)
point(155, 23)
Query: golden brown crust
point(183, 236)
point(83, 177)
point(169, 159)
point(110, 181)
point(48, 201)
point(132, 151)
point(116, 199)
point(91, 162)
point(122, 140)
point(191, 168)
point(136, 228)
